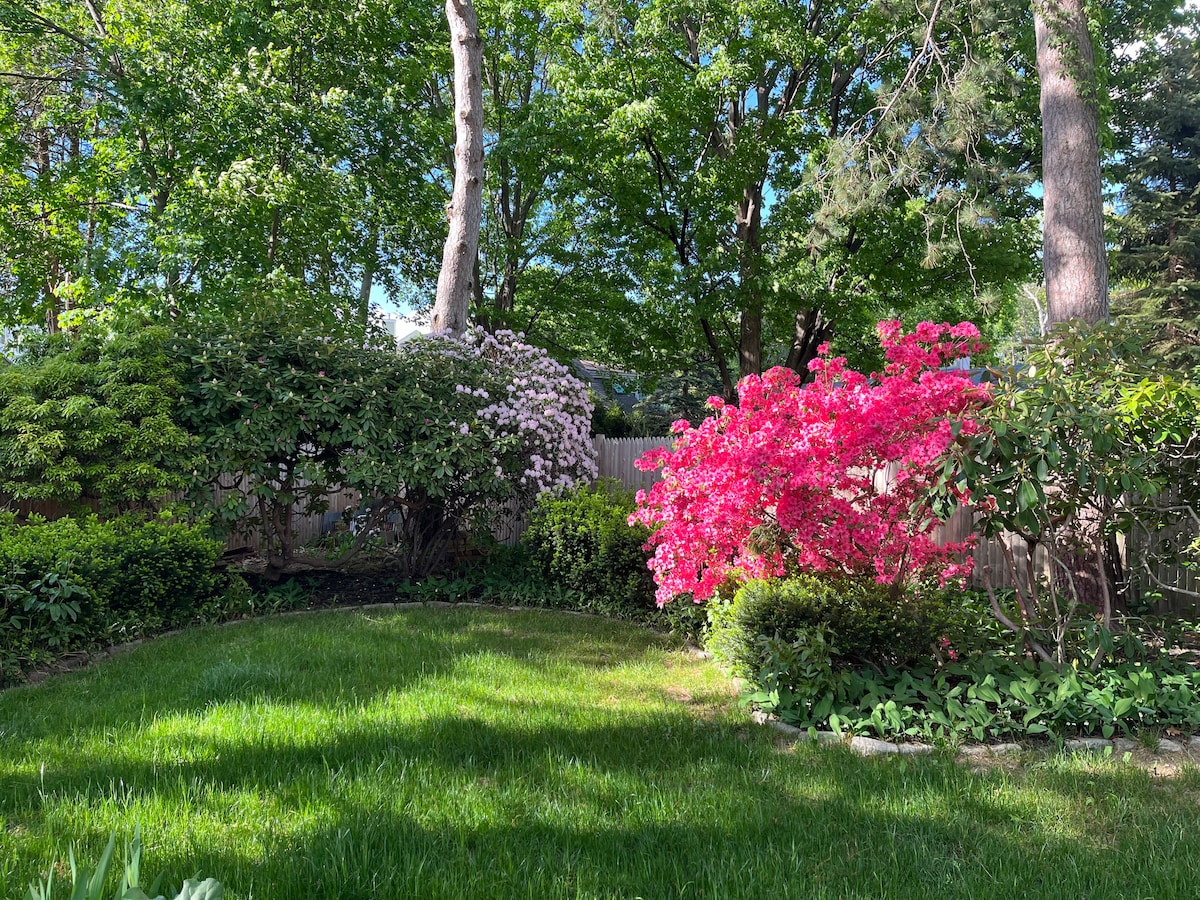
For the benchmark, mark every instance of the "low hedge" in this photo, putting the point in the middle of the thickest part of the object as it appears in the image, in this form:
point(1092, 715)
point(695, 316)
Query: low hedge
point(581, 540)
point(865, 624)
point(75, 583)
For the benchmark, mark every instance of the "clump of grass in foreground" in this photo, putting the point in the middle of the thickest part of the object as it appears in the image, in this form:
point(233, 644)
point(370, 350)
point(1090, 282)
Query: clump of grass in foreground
point(477, 753)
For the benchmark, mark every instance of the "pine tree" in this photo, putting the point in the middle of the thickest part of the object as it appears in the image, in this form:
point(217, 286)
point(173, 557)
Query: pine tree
point(1073, 257)
point(1158, 249)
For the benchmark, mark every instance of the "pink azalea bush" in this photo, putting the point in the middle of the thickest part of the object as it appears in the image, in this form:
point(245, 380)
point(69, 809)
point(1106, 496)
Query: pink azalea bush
point(794, 478)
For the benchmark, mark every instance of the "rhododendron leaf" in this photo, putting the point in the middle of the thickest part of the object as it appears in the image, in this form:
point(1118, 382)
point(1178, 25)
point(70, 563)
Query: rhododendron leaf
point(1026, 495)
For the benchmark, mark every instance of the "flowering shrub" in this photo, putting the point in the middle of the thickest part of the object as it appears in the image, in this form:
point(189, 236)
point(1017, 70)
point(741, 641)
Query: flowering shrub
point(796, 478)
point(540, 404)
point(435, 436)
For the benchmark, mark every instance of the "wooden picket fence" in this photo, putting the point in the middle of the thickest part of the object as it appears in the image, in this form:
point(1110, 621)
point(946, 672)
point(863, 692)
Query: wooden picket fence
point(308, 528)
point(615, 459)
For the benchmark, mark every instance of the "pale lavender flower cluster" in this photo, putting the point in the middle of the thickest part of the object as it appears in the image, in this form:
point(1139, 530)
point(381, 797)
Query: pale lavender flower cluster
point(544, 406)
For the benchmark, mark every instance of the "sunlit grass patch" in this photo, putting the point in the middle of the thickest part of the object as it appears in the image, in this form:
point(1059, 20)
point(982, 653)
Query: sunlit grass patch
point(483, 753)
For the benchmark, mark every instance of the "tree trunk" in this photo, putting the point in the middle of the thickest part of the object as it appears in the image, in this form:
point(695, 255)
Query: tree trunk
point(370, 261)
point(728, 391)
point(750, 338)
point(811, 330)
point(1074, 261)
point(506, 296)
point(515, 205)
point(748, 228)
point(455, 286)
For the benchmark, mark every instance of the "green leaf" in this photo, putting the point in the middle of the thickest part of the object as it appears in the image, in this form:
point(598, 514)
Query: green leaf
point(1027, 495)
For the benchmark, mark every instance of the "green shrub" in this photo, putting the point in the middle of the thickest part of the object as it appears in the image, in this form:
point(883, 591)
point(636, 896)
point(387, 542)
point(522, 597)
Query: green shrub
point(234, 599)
point(866, 625)
point(581, 540)
point(794, 674)
point(685, 618)
point(149, 575)
point(1091, 436)
point(435, 438)
point(38, 616)
point(91, 419)
point(74, 583)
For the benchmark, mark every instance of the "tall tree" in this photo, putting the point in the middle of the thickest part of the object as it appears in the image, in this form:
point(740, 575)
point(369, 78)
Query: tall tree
point(63, 207)
point(697, 134)
point(456, 283)
point(281, 163)
point(1073, 254)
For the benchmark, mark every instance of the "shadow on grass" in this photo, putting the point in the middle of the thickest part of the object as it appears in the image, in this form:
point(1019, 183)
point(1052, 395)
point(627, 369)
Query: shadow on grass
point(522, 797)
point(661, 807)
point(322, 658)
point(859, 833)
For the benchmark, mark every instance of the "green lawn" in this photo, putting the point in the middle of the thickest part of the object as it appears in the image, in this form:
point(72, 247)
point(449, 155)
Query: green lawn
point(481, 753)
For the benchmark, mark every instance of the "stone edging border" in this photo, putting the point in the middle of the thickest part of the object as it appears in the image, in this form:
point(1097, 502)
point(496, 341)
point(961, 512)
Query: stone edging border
point(866, 746)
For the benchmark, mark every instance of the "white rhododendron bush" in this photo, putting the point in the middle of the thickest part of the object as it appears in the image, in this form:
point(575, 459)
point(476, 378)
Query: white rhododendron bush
point(539, 412)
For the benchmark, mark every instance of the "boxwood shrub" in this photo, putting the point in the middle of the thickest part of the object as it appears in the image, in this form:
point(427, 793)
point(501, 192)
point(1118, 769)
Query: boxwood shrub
point(581, 540)
point(866, 624)
point(75, 583)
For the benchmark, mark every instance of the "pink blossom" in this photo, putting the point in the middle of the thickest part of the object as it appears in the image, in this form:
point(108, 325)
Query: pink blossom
point(790, 478)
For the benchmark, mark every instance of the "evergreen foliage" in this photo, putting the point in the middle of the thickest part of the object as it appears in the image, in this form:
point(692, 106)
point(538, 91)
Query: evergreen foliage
point(865, 623)
point(92, 419)
point(78, 583)
point(435, 437)
point(1158, 249)
point(582, 540)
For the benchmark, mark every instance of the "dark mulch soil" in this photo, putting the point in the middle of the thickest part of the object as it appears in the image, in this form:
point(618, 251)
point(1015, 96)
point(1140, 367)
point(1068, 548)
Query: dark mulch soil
point(325, 590)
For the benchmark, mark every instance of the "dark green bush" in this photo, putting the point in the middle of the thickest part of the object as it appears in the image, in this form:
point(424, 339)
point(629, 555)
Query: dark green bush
point(38, 616)
point(582, 541)
point(74, 583)
point(866, 624)
point(506, 576)
point(91, 419)
point(149, 574)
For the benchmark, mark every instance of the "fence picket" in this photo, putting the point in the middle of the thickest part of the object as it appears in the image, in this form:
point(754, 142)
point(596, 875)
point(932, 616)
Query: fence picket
point(615, 458)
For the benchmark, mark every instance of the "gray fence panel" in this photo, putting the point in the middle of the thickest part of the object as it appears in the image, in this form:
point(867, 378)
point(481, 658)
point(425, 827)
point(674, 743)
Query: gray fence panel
point(615, 458)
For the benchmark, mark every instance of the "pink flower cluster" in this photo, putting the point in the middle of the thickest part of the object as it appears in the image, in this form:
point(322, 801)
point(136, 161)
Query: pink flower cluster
point(544, 407)
point(825, 477)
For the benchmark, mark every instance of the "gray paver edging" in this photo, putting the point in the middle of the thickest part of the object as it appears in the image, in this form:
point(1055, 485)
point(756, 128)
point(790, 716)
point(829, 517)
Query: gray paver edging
point(868, 746)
